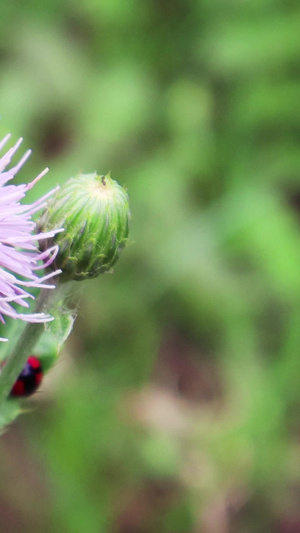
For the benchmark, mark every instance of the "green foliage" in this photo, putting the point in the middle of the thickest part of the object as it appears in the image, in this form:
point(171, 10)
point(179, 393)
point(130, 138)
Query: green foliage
point(176, 399)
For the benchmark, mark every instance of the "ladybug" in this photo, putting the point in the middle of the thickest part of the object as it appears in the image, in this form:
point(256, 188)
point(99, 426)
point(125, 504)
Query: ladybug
point(29, 379)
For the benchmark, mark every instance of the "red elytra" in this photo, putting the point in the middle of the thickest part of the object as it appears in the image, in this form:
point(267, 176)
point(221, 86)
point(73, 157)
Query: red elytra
point(29, 379)
point(34, 362)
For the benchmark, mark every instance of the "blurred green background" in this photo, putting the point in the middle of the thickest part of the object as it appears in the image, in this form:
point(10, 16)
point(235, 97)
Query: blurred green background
point(175, 405)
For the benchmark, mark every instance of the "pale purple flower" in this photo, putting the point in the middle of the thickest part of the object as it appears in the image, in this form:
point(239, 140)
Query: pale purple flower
point(20, 257)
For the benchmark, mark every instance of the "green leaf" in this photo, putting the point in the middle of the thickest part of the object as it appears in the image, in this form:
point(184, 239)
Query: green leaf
point(8, 412)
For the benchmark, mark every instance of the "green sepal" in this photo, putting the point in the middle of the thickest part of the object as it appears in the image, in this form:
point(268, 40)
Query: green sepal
point(62, 325)
point(56, 333)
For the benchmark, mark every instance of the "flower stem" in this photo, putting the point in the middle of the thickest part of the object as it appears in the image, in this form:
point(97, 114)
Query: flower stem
point(23, 348)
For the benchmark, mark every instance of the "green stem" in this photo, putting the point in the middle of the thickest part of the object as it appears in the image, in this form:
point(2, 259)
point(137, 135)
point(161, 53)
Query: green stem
point(24, 346)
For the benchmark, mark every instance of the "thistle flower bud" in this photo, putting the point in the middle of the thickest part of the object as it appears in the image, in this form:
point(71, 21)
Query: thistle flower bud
point(94, 212)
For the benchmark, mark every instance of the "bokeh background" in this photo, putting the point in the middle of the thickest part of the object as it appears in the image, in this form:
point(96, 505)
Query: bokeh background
point(175, 405)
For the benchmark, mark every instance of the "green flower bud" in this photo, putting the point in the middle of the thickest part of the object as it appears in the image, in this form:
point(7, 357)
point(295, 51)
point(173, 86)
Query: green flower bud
point(94, 212)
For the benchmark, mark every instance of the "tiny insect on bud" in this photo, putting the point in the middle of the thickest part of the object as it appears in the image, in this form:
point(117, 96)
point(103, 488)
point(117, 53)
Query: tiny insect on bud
point(94, 212)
